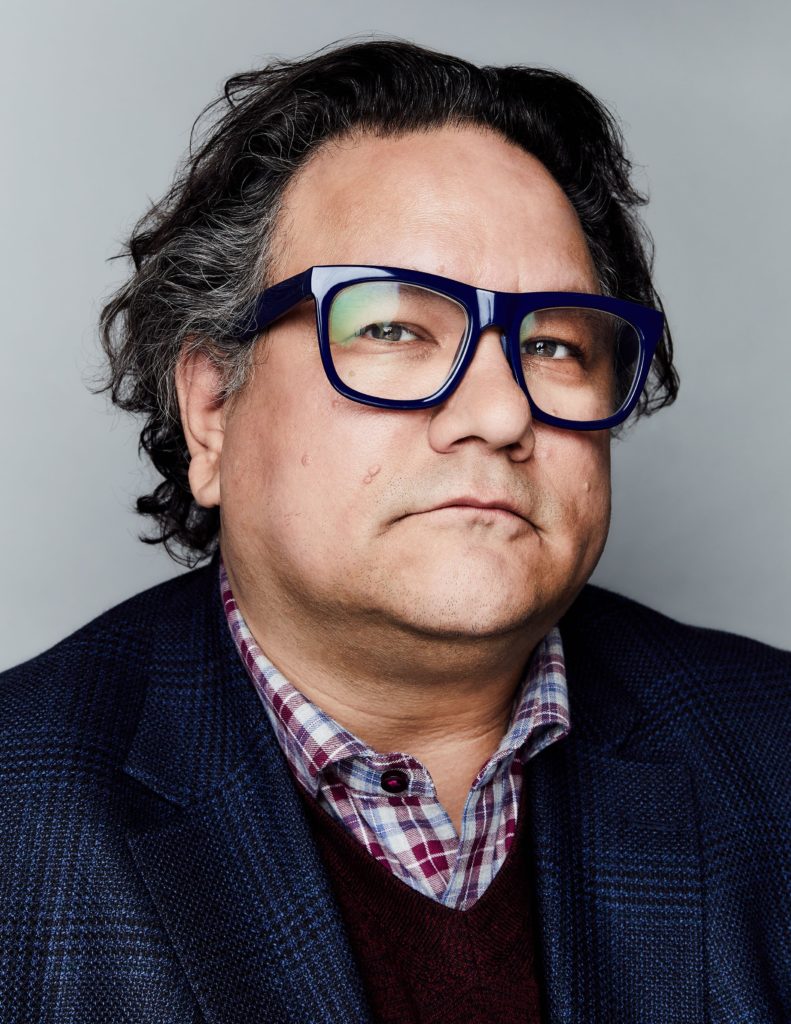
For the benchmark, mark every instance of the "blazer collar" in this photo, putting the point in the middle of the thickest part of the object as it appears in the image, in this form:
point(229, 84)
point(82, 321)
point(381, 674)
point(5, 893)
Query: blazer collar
point(200, 715)
point(615, 846)
point(224, 849)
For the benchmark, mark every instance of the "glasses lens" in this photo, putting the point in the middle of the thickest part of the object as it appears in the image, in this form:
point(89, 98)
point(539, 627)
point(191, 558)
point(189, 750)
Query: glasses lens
point(579, 364)
point(394, 340)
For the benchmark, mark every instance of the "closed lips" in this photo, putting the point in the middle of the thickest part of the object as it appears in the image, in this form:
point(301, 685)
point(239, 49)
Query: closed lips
point(500, 505)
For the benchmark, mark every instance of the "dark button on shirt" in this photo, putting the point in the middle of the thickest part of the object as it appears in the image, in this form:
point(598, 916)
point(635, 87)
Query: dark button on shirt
point(394, 781)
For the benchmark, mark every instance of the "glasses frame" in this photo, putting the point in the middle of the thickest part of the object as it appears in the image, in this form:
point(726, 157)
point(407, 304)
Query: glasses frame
point(484, 309)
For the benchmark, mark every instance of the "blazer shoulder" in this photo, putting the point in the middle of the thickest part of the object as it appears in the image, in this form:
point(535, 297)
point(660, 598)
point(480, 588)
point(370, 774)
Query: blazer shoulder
point(604, 612)
point(713, 673)
point(87, 688)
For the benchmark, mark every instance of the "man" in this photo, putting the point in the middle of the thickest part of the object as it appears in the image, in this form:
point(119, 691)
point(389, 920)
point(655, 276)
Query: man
point(387, 756)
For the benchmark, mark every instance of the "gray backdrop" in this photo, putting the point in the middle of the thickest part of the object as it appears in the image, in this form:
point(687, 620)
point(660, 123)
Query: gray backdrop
point(96, 103)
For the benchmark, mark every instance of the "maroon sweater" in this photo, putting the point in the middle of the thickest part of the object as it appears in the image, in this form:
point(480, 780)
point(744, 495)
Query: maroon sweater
point(422, 962)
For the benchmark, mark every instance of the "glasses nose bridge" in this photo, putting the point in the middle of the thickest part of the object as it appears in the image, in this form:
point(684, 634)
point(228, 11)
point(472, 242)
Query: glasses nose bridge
point(495, 309)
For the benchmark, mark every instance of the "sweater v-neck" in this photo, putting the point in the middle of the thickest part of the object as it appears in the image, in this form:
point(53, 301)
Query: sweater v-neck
point(423, 962)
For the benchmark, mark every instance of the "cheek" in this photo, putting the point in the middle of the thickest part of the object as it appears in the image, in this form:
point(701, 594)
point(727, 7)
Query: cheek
point(261, 437)
point(312, 469)
point(306, 446)
point(575, 470)
point(350, 455)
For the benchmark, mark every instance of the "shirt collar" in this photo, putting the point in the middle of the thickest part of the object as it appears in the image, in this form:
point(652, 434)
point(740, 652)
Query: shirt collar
point(311, 739)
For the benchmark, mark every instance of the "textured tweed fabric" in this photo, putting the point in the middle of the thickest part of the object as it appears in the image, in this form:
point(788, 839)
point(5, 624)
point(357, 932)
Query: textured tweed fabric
point(410, 832)
point(157, 866)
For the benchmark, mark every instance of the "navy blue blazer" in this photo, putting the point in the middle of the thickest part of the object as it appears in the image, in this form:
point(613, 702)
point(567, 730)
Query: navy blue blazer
point(156, 864)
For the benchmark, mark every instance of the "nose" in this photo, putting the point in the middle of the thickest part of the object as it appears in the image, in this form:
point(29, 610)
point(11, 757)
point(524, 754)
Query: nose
point(487, 406)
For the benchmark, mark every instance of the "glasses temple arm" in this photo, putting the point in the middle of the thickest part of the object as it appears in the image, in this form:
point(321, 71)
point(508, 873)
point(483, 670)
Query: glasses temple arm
point(272, 304)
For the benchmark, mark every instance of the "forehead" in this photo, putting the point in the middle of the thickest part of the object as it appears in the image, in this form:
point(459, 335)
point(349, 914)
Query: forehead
point(463, 202)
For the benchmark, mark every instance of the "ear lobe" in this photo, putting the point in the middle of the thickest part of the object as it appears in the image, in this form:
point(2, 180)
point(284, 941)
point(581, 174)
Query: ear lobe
point(203, 422)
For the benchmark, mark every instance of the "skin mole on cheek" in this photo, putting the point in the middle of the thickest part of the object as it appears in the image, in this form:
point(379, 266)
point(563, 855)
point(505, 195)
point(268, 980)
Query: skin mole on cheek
point(305, 460)
point(587, 486)
point(372, 471)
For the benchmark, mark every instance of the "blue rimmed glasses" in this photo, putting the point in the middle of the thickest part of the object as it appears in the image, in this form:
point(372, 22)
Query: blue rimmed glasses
point(402, 339)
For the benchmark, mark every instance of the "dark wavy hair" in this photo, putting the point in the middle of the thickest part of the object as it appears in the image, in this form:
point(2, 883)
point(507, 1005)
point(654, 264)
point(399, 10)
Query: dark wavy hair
point(202, 253)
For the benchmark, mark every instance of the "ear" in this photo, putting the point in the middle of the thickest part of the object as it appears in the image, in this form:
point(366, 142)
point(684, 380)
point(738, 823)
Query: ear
point(203, 422)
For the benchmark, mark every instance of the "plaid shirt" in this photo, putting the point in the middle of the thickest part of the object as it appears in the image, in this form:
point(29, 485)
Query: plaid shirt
point(410, 832)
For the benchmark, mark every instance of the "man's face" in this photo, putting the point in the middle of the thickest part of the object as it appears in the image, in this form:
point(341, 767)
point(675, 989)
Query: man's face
point(332, 505)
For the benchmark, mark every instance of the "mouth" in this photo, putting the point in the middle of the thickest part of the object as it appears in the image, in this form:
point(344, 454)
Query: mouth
point(494, 508)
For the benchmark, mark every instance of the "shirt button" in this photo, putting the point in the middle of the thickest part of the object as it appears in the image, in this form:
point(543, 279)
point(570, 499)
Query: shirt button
point(394, 781)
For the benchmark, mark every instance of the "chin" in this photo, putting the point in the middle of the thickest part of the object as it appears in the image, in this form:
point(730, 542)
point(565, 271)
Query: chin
point(460, 623)
point(468, 602)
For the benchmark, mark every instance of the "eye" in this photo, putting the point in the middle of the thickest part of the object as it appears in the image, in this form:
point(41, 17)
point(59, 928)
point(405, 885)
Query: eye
point(548, 348)
point(385, 330)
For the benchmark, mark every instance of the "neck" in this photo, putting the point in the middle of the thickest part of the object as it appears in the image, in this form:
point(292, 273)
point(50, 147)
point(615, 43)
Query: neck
point(396, 688)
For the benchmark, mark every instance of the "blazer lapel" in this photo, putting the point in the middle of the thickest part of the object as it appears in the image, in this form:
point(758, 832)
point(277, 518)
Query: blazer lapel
point(220, 839)
point(617, 864)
